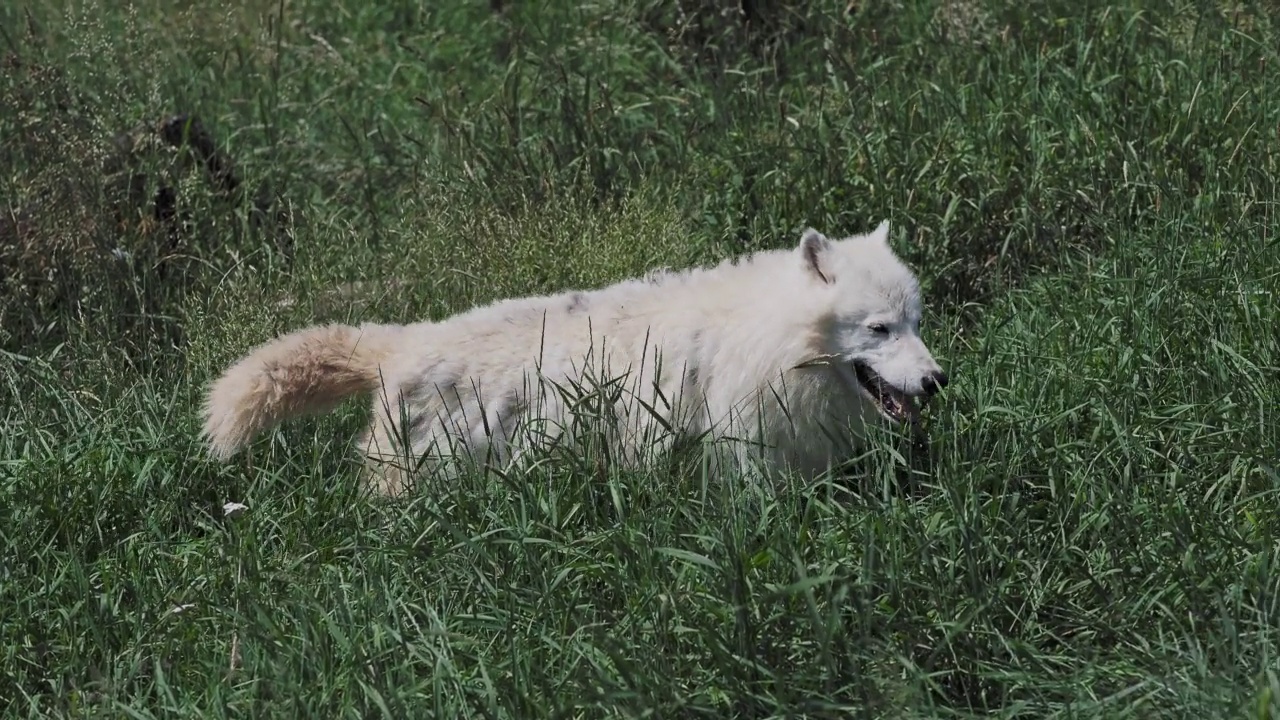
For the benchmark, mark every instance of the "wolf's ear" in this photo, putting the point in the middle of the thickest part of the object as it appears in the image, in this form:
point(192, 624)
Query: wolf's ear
point(880, 234)
point(815, 253)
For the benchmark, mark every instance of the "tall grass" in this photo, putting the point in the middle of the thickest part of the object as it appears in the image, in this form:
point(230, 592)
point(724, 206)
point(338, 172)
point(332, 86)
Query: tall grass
point(1088, 192)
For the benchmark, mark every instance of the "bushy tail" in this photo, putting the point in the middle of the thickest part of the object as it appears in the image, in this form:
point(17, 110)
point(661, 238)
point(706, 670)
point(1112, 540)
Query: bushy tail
point(307, 372)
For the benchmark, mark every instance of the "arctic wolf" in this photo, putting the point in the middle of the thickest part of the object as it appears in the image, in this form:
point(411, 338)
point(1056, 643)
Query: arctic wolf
point(780, 359)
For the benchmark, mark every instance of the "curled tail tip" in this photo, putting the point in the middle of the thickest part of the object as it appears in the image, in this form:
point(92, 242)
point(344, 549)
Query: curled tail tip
point(223, 432)
point(221, 448)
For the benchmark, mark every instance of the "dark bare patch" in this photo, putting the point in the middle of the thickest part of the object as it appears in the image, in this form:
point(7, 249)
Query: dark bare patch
point(577, 303)
point(691, 369)
point(509, 412)
point(417, 422)
point(690, 378)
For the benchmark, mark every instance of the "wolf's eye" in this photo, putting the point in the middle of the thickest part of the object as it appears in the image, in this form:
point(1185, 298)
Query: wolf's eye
point(879, 328)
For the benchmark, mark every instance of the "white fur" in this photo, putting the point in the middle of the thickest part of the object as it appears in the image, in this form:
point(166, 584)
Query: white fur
point(722, 352)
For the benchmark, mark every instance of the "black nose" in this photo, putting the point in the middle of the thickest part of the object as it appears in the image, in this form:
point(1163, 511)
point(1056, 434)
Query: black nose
point(934, 382)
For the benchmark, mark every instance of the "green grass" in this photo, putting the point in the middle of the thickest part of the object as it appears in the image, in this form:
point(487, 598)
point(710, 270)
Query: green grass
point(1088, 192)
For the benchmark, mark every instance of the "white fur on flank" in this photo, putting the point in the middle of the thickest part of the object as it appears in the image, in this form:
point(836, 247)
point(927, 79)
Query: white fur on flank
point(724, 353)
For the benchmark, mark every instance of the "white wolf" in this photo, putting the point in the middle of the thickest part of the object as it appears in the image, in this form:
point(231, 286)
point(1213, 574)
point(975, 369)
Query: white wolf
point(788, 352)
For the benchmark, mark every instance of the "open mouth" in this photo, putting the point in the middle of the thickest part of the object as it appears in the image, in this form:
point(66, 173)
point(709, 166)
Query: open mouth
point(892, 402)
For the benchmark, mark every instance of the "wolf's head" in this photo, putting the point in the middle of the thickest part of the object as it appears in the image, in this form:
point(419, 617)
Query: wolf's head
point(870, 332)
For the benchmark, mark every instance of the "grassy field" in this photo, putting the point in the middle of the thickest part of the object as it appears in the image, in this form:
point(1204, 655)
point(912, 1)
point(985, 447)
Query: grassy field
point(1088, 191)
